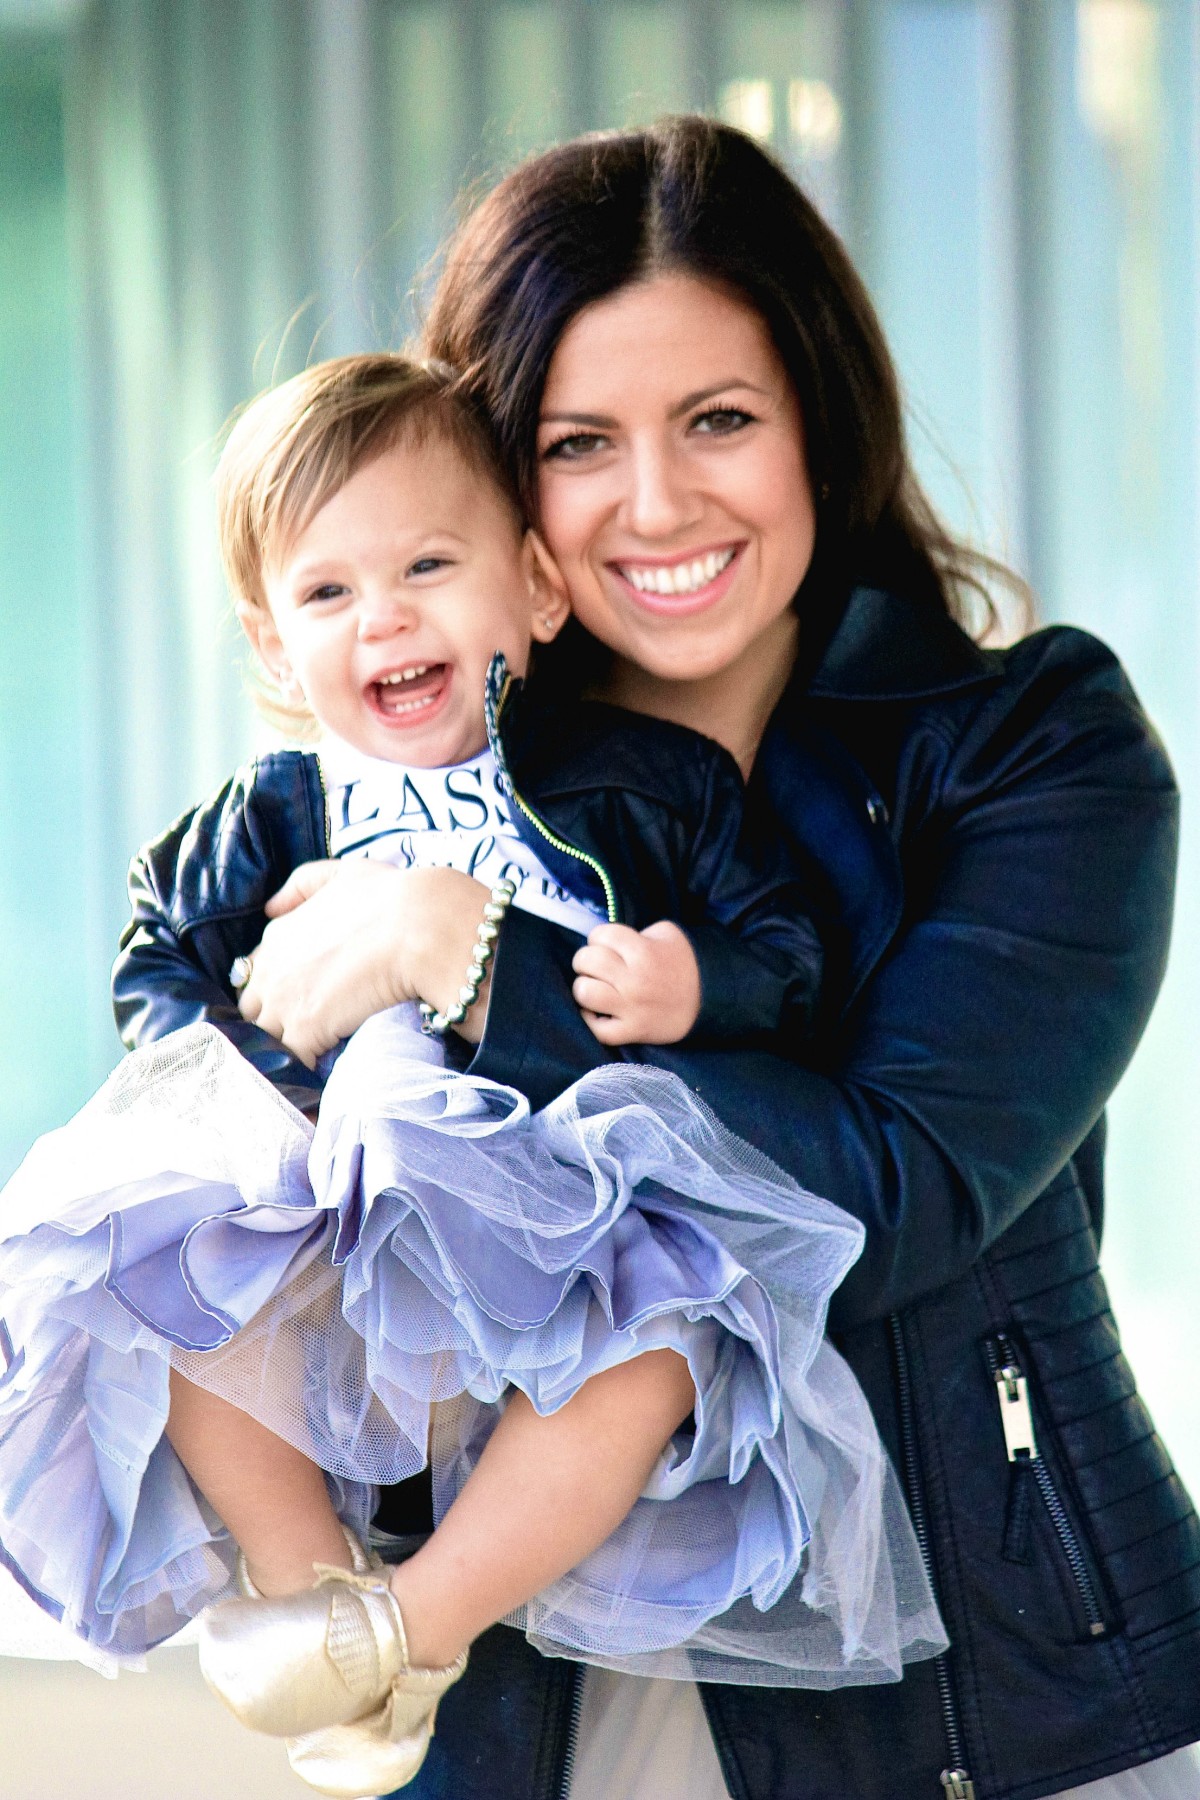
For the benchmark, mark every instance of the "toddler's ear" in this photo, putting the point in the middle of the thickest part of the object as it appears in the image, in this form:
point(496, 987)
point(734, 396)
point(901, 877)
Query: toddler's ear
point(547, 589)
point(265, 641)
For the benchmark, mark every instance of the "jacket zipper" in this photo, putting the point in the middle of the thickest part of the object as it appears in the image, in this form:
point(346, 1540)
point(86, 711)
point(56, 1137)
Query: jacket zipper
point(956, 1782)
point(325, 819)
point(1021, 1444)
point(565, 849)
point(539, 825)
point(576, 1713)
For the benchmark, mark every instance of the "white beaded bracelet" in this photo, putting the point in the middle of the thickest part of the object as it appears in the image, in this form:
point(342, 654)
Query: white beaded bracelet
point(498, 903)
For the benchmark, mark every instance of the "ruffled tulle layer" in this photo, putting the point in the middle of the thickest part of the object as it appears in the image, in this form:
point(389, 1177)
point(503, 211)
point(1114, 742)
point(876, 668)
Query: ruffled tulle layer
point(371, 1291)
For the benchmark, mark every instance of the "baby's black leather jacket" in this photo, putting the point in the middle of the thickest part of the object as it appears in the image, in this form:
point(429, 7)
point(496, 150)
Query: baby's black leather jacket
point(645, 818)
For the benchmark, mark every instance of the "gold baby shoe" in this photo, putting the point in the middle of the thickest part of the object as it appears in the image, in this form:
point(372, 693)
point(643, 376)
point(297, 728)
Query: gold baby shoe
point(385, 1750)
point(291, 1664)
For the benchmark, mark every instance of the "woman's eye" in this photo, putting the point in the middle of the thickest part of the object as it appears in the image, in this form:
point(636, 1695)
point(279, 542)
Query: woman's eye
point(721, 421)
point(574, 446)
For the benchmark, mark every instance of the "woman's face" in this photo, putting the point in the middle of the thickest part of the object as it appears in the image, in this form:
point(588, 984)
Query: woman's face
point(673, 490)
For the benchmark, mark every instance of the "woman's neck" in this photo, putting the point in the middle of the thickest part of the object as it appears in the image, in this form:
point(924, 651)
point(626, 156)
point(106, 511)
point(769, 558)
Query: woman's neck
point(733, 706)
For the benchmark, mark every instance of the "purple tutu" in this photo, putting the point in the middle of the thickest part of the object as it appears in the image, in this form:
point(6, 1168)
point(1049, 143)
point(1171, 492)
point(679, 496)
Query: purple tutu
point(371, 1290)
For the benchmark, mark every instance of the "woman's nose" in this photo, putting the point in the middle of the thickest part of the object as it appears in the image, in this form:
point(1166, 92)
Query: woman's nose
point(660, 499)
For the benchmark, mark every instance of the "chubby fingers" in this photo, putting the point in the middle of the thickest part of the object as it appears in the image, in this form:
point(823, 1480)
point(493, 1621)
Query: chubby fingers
point(602, 969)
point(638, 987)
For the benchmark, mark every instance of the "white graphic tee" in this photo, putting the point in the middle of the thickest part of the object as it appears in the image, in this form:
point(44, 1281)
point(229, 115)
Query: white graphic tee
point(455, 818)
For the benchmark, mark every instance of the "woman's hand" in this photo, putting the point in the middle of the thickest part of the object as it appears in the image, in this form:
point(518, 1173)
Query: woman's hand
point(347, 940)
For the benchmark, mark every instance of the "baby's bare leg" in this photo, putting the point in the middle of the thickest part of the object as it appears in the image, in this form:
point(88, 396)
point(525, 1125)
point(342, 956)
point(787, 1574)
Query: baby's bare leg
point(271, 1498)
point(544, 1494)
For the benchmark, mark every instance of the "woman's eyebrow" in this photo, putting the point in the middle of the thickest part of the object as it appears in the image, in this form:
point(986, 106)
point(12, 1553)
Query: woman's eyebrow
point(718, 387)
point(576, 418)
point(604, 422)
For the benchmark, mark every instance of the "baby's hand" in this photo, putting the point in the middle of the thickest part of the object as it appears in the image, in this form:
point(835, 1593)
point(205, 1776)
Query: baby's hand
point(638, 987)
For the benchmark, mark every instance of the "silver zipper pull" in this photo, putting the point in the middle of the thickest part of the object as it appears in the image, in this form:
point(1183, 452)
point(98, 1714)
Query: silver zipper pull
point(1015, 1416)
point(958, 1784)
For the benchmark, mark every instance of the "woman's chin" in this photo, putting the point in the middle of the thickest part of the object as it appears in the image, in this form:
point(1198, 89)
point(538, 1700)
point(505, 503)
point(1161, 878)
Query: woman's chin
point(683, 654)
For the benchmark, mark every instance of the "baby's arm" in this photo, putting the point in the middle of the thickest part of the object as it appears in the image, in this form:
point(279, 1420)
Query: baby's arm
point(172, 970)
point(746, 961)
point(638, 987)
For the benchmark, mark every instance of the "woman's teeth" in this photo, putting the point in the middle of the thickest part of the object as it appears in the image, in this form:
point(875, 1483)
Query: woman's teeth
point(681, 577)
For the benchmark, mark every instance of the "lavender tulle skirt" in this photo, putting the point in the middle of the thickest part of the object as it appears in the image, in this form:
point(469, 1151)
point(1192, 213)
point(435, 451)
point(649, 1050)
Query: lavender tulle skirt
point(371, 1290)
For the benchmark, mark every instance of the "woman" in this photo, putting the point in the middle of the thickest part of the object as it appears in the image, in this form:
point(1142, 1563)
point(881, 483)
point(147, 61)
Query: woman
point(691, 387)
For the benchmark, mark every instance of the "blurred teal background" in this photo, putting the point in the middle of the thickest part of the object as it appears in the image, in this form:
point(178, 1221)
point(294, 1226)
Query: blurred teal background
point(197, 196)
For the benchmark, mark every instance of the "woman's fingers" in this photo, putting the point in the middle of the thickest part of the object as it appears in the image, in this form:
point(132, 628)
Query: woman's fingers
point(329, 957)
point(347, 940)
point(301, 885)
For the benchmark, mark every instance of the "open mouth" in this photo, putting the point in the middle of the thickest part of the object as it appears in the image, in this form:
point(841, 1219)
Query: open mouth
point(685, 585)
point(408, 696)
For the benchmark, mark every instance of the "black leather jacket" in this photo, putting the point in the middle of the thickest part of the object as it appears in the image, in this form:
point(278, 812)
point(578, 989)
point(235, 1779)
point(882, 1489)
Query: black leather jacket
point(644, 818)
point(994, 839)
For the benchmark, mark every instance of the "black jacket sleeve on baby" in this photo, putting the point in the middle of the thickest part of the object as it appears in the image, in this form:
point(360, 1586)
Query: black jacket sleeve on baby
point(198, 894)
point(649, 820)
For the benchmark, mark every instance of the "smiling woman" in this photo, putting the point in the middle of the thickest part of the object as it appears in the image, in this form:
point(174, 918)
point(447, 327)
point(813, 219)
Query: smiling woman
point(679, 359)
point(674, 489)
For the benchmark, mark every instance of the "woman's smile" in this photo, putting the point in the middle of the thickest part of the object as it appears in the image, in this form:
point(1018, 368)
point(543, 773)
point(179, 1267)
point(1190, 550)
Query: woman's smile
point(673, 489)
point(676, 586)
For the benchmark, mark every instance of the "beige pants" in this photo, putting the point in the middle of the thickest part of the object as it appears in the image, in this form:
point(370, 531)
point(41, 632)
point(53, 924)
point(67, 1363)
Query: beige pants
point(648, 1740)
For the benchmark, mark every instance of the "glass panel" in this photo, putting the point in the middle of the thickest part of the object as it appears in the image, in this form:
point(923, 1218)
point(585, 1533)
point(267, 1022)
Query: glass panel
point(1116, 476)
point(642, 63)
point(528, 80)
point(782, 81)
point(427, 92)
point(43, 839)
point(943, 261)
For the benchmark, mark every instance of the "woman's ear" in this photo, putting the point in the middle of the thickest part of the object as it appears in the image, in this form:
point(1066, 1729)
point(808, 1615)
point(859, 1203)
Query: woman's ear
point(547, 589)
point(260, 628)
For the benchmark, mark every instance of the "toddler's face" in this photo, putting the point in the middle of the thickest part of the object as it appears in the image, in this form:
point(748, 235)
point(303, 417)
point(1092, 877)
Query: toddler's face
point(387, 608)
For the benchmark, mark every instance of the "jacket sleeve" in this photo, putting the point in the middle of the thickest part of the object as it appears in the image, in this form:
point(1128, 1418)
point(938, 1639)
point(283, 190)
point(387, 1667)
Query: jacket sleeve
point(758, 951)
point(172, 969)
point(986, 1044)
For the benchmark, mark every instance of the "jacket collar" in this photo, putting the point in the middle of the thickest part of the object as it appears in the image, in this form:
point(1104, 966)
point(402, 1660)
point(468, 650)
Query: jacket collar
point(890, 647)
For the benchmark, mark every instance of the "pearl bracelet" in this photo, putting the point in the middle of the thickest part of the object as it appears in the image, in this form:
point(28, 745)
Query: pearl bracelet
point(498, 903)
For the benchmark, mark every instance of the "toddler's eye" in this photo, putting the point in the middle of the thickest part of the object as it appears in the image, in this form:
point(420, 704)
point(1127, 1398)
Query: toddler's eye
point(574, 446)
point(722, 421)
point(428, 565)
point(328, 590)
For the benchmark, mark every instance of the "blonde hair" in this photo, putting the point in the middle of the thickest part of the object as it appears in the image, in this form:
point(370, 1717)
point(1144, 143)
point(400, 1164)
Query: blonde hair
point(293, 448)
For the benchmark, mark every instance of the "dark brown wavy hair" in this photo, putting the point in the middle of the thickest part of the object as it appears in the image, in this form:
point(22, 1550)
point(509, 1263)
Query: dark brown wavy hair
point(579, 221)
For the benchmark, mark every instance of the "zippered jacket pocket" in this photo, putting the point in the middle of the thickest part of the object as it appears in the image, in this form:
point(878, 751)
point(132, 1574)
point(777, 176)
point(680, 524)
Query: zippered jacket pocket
point(1031, 1483)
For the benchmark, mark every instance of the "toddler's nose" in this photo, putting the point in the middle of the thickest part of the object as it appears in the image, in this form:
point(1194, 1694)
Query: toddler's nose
point(383, 615)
